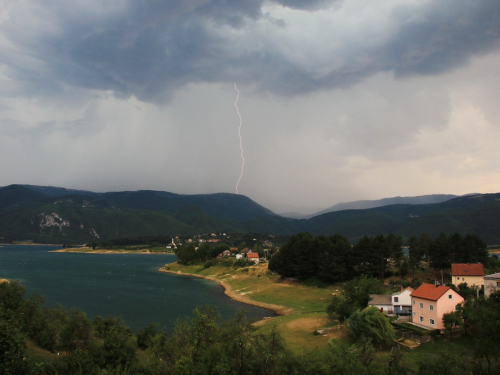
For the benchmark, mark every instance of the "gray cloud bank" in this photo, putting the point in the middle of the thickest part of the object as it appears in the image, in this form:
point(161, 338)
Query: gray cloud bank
point(341, 100)
point(150, 49)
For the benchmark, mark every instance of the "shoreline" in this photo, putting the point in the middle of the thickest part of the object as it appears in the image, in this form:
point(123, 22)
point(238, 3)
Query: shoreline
point(31, 244)
point(228, 289)
point(231, 293)
point(88, 250)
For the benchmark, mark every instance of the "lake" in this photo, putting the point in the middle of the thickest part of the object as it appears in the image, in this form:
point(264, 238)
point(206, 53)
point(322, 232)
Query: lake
point(128, 285)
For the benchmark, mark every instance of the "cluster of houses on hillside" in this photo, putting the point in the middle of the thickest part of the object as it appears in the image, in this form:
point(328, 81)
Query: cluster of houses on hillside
point(427, 304)
point(245, 253)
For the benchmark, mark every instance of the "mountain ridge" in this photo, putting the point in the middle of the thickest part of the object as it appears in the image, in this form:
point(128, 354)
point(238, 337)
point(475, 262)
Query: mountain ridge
point(28, 214)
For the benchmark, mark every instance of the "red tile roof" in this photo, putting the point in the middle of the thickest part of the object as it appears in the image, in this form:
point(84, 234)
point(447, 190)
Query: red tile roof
point(430, 291)
point(252, 255)
point(467, 269)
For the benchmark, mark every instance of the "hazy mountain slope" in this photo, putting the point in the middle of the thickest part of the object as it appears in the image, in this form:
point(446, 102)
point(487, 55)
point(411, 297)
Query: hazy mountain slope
point(478, 214)
point(366, 204)
point(57, 191)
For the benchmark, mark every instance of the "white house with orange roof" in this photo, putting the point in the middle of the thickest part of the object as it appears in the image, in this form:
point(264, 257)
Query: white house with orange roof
point(254, 257)
point(430, 302)
point(470, 273)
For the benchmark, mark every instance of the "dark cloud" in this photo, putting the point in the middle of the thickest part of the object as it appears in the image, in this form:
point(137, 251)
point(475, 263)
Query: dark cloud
point(151, 48)
point(442, 36)
point(305, 4)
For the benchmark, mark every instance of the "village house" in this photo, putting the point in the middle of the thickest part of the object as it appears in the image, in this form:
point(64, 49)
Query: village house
point(491, 284)
point(401, 301)
point(470, 273)
point(430, 302)
point(254, 257)
point(396, 303)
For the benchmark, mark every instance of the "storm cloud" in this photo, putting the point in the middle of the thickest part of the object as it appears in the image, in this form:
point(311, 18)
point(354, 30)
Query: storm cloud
point(150, 49)
point(341, 99)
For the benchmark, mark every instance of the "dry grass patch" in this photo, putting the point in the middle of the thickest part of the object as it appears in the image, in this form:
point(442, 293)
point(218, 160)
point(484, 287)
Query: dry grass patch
point(298, 330)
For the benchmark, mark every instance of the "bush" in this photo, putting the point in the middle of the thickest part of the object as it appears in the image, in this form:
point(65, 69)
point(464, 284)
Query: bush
point(315, 282)
point(226, 263)
point(241, 263)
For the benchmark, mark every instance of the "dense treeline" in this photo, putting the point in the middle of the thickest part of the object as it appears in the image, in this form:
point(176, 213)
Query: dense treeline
point(333, 259)
point(189, 254)
point(134, 241)
point(444, 250)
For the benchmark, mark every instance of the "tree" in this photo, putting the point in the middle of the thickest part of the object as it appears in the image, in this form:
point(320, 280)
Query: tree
point(187, 254)
point(475, 248)
point(12, 343)
point(355, 296)
point(451, 321)
point(371, 324)
point(440, 254)
point(145, 336)
point(76, 333)
point(485, 320)
point(466, 291)
point(368, 259)
point(12, 295)
point(294, 258)
point(425, 242)
point(395, 248)
point(415, 254)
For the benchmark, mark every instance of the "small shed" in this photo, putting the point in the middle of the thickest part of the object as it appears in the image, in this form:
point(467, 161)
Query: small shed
point(382, 301)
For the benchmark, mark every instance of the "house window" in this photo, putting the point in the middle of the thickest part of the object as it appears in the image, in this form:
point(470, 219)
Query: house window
point(413, 302)
point(431, 321)
point(421, 305)
point(458, 278)
point(396, 299)
point(421, 319)
point(414, 313)
point(450, 296)
point(463, 279)
point(498, 283)
point(431, 307)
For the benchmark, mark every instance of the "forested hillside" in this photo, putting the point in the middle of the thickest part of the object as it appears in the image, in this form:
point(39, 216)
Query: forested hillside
point(49, 214)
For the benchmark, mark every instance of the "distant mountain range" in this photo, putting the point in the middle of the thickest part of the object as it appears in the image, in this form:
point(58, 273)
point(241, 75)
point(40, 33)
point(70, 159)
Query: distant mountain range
point(365, 204)
point(51, 214)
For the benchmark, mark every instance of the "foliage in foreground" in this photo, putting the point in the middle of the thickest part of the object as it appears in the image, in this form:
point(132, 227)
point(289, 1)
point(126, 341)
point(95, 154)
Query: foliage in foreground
point(204, 344)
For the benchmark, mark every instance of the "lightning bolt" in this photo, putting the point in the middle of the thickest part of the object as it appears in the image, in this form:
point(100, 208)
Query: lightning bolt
point(241, 138)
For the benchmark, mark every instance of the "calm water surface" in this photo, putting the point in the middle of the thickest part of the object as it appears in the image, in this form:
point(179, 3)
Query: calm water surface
point(128, 285)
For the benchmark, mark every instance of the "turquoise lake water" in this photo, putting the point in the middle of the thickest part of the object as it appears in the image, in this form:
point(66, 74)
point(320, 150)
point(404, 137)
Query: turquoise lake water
point(128, 285)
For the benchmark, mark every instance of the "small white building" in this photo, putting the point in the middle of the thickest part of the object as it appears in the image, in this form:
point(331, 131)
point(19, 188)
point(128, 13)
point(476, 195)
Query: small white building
point(491, 284)
point(396, 303)
point(401, 301)
point(382, 302)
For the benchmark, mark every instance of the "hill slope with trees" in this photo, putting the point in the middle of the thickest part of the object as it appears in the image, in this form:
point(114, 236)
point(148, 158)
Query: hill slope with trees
point(56, 215)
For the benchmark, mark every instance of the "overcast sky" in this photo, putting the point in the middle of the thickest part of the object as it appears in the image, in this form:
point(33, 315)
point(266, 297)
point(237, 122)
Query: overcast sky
point(340, 100)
